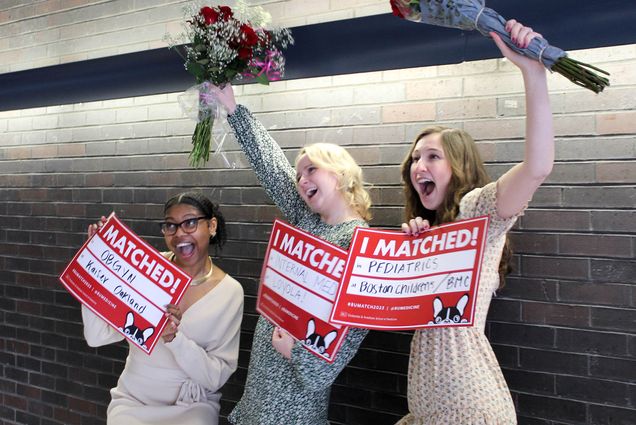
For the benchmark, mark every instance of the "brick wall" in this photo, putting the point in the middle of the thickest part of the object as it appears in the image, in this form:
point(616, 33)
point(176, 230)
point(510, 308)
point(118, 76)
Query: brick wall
point(563, 328)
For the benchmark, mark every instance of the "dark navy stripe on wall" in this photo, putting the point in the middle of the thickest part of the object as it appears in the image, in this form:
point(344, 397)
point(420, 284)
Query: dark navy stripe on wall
point(365, 44)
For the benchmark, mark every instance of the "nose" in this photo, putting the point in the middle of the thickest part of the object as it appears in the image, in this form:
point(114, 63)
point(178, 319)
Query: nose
point(302, 181)
point(419, 165)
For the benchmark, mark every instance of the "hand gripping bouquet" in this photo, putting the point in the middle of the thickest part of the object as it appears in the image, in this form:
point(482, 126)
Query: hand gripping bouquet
point(472, 14)
point(225, 45)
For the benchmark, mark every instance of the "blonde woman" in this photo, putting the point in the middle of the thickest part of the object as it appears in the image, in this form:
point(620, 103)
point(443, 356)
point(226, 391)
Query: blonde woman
point(325, 196)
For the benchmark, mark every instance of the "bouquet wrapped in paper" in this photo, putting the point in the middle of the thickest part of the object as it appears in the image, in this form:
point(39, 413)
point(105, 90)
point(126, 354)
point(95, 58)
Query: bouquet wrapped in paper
point(472, 14)
point(226, 45)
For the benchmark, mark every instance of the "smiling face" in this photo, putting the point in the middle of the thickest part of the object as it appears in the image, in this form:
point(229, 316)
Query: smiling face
point(190, 249)
point(430, 172)
point(318, 187)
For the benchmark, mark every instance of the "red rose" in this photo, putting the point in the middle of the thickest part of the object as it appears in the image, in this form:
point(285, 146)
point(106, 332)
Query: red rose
point(245, 53)
point(209, 15)
point(395, 8)
point(249, 34)
point(226, 12)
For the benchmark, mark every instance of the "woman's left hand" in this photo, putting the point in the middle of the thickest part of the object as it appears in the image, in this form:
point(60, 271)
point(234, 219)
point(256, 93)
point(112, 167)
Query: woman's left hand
point(521, 36)
point(173, 313)
point(282, 342)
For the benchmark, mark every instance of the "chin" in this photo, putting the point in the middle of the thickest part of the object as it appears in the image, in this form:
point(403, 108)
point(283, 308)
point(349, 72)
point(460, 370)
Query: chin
point(429, 205)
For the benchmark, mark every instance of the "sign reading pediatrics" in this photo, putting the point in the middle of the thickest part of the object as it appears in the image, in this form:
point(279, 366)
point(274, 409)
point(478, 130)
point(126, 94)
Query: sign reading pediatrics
point(126, 282)
point(396, 281)
point(299, 283)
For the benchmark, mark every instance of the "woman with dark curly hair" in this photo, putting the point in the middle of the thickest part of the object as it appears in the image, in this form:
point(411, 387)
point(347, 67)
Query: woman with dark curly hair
point(179, 382)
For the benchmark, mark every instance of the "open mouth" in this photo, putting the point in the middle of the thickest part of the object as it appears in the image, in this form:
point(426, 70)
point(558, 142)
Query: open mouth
point(311, 192)
point(426, 186)
point(185, 248)
point(429, 186)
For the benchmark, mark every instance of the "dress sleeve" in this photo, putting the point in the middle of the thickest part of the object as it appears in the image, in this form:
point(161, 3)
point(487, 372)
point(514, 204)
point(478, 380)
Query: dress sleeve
point(96, 331)
point(273, 170)
point(483, 201)
point(316, 374)
point(211, 365)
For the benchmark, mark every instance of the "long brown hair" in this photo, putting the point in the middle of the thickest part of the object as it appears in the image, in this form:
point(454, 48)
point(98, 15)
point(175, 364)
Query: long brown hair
point(468, 173)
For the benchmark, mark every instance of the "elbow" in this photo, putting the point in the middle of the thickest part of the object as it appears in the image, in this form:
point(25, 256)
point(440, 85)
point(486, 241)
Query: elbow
point(92, 342)
point(543, 172)
point(538, 173)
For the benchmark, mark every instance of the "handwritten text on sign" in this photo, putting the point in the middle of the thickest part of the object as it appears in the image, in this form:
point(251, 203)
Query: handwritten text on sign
point(299, 283)
point(395, 281)
point(126, 282)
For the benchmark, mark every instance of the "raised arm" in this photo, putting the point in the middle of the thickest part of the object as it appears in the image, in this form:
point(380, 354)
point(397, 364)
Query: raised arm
point(517, 186)
point(274, 172)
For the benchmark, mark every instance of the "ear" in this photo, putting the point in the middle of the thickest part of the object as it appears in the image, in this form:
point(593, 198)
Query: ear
point(212, 225)
point(461, 304)
point(130, 319)
point(311, 328)
point(437, 306)
point(148, 333)
point(330, 337)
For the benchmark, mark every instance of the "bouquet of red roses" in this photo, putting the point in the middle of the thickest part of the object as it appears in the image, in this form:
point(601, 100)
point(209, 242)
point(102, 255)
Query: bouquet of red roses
point(225, 46)
point(473, 14)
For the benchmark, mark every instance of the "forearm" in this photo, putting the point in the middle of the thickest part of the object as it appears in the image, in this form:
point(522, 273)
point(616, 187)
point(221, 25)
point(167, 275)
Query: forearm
point(517, 186)
point(268, 161)
point(539, 146)
point(209, 369)
point(96, 331)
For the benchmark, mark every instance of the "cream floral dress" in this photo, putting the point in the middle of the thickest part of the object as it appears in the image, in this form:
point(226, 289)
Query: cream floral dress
point(454, 376)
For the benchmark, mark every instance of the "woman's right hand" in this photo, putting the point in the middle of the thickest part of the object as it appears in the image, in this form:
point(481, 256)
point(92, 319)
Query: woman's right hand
point(94, 228)
point(415, 226)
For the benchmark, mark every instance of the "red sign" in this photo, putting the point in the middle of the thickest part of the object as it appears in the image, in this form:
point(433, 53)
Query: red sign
point(396, 281)
point(126, 282)
point(299, 282)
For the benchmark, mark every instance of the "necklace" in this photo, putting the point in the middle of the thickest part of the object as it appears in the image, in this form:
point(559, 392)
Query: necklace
point(200, 280)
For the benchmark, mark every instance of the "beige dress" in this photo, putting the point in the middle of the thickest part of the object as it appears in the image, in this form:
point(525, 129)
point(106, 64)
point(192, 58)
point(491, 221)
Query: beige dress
point(454, 377)
point(179, 382)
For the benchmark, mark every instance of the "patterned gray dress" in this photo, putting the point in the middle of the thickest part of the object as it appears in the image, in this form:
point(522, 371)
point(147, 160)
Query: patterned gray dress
point(280, 391)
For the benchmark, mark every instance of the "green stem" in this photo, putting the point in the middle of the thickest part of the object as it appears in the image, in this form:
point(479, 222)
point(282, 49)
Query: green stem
point(201, 138)
point(581, 74)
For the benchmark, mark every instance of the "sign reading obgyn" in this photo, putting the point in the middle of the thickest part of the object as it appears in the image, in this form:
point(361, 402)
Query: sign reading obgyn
point(395, 281)
point(126, 282)
point(299, 283)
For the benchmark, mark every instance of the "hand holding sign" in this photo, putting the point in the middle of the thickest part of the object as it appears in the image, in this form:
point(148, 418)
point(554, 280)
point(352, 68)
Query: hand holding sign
point(173, 313)
point(415, 226)
point(283, 342)
point(94, 228)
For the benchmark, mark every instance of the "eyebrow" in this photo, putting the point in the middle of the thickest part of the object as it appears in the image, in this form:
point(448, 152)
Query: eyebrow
point(187, 218)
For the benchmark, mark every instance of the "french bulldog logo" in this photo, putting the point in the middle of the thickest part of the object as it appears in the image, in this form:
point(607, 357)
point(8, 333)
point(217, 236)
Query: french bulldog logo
point(450, 314)
point(316, 341)
point(135, 333)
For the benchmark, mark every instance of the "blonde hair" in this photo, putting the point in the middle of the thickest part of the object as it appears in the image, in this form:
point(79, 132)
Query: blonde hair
point(468, 173)
point(336, 159)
